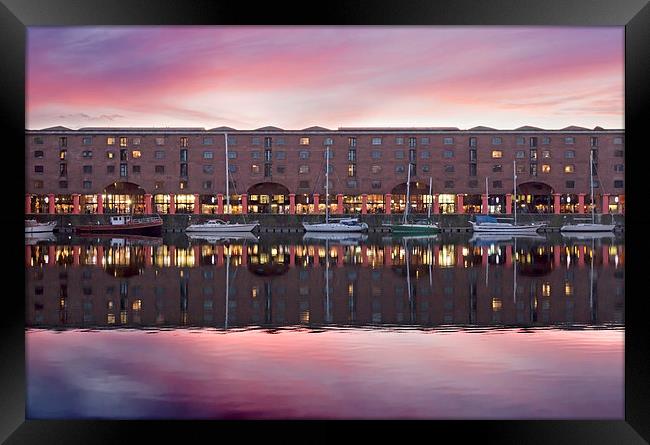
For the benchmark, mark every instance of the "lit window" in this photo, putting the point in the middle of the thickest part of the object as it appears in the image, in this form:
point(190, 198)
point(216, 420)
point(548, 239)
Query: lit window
point(496, 304)
point(304, 141)
point(110, 140)
point(570, 168)
point(546, 290)
point(352, 170)
point(182, 185)
point(568, 288)
point(62, 154)
point(123, 142)
point(137, 305)
point(136, 154)
point(255, 168)
point(496, 154)
point(546, 168)
point(110, 155)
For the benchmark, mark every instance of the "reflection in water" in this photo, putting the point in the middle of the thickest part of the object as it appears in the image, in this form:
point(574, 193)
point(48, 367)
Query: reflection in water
point(442, 327)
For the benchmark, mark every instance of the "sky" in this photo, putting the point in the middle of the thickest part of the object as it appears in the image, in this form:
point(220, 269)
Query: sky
point(248, 77)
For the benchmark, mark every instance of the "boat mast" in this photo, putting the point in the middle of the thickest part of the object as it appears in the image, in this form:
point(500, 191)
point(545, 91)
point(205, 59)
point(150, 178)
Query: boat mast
point(408, 194)
point(225, 136)
point(591, 183)
point(430, 201)
point(514, 190)
point(327, 186)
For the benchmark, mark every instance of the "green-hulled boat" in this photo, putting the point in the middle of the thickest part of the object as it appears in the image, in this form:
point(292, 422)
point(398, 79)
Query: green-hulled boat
point(417, 227)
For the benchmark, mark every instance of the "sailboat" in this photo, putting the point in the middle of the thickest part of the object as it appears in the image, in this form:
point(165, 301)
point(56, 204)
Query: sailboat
point(339, 224)
point(219, 225)
point(592, 226)
point(418, 227)
point(489, 224)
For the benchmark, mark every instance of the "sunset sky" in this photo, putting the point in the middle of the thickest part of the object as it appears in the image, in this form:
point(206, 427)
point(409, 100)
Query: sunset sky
point(296, 77)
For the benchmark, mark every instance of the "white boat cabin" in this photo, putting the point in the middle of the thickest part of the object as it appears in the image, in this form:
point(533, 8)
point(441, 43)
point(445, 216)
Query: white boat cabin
point(120, 220)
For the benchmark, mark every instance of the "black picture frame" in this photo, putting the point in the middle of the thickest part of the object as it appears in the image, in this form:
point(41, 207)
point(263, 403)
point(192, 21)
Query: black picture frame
point(16, 15)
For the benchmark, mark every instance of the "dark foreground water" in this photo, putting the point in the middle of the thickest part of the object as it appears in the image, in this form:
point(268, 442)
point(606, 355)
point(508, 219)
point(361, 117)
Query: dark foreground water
point(449, 327)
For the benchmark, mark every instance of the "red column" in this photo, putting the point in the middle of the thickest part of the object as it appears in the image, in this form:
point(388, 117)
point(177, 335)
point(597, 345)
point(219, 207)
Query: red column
point(387, 204)
point(292, 203)
point(100, 255)
point(484, 204)
point(605, 208)
point(436, 206)
point(509, 250)
point(100, 203)
point(436, 253)
point(197, 204)
point(75, 203)
point(316, 203)
point(172, 256)
point(292, 256)
point(172, 204)
point(244, 255)
point(220, 255)
point(340, 256)
point(508, 203)
point(51, 209)
point(220, 203)
point(557, 255)
point(197, 253)
point(556, 203)
point(581, 256)
point(28, 203)
point(460, 205)
point(148, 203)
point(75, 255)
point(364, 204)
point(339, 203)
point(244, 203)
point(51, 255)
point(581, 203)
point(388, 252)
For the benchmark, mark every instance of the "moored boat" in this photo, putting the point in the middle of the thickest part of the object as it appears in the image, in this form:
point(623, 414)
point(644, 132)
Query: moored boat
point(125, 224)
point(340, 225)
point(417, 227)
point(489, 224)
point(33, 226)
point(220, 226)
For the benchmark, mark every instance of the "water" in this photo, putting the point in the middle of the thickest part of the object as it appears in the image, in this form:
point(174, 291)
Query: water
point(448, 327)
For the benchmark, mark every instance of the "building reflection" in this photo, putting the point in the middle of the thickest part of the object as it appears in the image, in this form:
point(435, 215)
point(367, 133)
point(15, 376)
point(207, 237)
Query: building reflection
point(112, 282)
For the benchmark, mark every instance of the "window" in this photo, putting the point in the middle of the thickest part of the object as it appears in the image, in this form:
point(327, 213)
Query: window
point(618, 167)
point(448, 141)
point(123, 142)
point(497, 168)
point(593, 141)
point(473, 183)
point(570, 154)
point(521, 140)
point(375, 154)
point(87, 169)
point(425, 154)
point(110, 140)
point(182, 141)
point(161, 141)
point(618, 141)
point(376, 141)
point(449, 184)
point(618, 184)
point(413, 142)
point(255, 141)
point(255, 168)
point(38, 169)
point(375, 169)
point(110, 169)
point(183, 155)
point(159, 154)
point(533, 154)
point(448, 154)
point(208, 140)
point(399, 154)
point(160, 169)
point(63, 154)
point(399, 141)
point(546, 154)
point(472, 169)
point(303, 154)
point(123, 154)
point(208, 169)
point(281, 169)
point(472, 155)
point(182, 185)
point(328, 141)
point(232, 140)
point(569, 140)
point(268, 142)
point(352, 155)
point(352, 170)
point(400, 169)
point(497, 184)
point(546, 140)
point(232, 168)
point(136, 141)
point(87, 154)
point(533, 141)
point(352, 183)
point(256, 154)
point(533, 169)
point(207, 185)
point(303, 184)
point(38, 184)
point(232, 154)
point(331, 154)
point(208, 155)
point(38, 140)
point(63, 170)
point(375, 184)
point(135, 154)
point(279, 141)
point(546, 168)
point(424, 140)
point(352, 141)
point(449, 168)
point(63, 184)
point(521, 168)
point(136, 169)
point(570, 184)
point(520, 154)
point(472, 142)
point(183, 170)
point(281, 155)
point(596, 183)
point(159, 185)
point(87, 184)
point(110, 155)
point(569, 168)
point(87, 140)
point(497, 154)
point(618, 153)
point(123, 170)
point(425, 168)
point(304, 141)
point(496, 140)
point(63, 141)
point(267, 170)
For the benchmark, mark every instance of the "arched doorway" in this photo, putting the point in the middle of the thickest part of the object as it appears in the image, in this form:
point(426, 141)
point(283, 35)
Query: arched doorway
point(268, 197)
point(535, 197)
point(419, 197)
point(123, 197)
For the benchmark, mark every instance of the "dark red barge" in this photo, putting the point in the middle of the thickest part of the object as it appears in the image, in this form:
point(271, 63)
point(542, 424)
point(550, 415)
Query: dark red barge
point(126, 224)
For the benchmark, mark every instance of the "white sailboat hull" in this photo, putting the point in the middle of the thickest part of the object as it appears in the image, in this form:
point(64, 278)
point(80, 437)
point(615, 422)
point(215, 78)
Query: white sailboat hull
point(507, 228)
point(221, 228)
point(334, 227)
point(588, 227)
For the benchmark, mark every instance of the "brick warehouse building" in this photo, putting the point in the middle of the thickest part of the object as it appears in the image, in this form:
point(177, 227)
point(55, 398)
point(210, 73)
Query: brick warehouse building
point(182, 170)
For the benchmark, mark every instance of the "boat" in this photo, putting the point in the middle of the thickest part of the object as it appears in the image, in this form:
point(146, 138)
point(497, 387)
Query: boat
point(212, 238)
point(490, 224)
point(416, 227)
point(592, 226)
point(33, 226)
point(339, 224)
point(588, 235)
point(352, 238)
point(217, 226)
point(125, 224)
